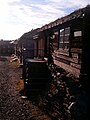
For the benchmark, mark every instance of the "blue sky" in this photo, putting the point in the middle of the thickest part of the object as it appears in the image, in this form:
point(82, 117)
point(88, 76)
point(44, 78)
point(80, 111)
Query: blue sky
point(20, 16)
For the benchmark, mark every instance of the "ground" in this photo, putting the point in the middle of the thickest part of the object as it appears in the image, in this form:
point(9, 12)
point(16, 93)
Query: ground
point(65, 99)
point(12, 106)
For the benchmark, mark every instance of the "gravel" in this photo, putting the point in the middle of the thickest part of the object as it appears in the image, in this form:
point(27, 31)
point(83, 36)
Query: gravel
point(64, 100)
point(12, 106)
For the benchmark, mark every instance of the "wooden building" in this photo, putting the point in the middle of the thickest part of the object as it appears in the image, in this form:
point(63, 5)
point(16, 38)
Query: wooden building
point(67, 41)
point(24, 46)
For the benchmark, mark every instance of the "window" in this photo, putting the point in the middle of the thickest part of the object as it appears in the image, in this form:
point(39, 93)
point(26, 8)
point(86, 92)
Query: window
point(64, 38)
point(77, 33)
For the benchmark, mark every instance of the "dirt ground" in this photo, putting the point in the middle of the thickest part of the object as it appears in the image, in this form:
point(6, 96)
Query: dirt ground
point(12, 106)
point(65, 99)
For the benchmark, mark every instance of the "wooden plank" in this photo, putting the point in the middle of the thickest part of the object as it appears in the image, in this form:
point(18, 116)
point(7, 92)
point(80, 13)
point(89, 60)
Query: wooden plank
point(65, 57)
point(69, 68)
point(75, 65)
point(76, 50)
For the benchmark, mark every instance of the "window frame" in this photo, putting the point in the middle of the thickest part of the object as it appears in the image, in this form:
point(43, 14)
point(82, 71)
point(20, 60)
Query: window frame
point(64, 44)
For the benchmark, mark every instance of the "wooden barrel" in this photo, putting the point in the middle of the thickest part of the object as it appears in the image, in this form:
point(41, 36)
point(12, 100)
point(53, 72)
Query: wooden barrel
point(37, 76)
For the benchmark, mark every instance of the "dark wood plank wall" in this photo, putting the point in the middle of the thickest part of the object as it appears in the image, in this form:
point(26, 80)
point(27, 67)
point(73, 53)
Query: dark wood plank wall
point(71, 60)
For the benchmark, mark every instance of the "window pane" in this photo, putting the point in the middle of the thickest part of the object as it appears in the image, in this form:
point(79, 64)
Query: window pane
point(61, 32)
point(66, 45)
point(66, 38)
point(61, 39)
point(67, 30)
point(60, 45)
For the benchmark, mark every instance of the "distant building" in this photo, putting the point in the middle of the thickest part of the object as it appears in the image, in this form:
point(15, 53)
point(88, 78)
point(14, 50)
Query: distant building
point(6, 47)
